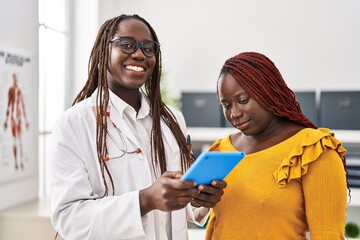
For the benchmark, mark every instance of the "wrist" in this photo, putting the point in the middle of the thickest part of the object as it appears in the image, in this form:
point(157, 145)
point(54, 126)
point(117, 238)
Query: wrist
point(145, 202)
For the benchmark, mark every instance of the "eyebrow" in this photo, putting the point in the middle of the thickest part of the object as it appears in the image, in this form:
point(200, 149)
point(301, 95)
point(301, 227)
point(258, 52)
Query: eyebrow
point(146, 39)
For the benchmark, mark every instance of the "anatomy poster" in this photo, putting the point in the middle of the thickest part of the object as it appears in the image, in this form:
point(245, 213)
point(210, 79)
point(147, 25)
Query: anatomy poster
point(16, 89)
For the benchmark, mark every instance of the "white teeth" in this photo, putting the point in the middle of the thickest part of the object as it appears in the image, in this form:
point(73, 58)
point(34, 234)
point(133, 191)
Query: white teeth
point(135, 68)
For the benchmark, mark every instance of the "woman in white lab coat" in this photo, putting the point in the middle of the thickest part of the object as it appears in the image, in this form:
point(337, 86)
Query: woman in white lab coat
point(118, 154)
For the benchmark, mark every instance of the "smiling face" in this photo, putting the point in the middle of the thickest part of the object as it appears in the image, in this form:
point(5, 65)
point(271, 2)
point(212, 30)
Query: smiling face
point(129, 71)
point(241, 110)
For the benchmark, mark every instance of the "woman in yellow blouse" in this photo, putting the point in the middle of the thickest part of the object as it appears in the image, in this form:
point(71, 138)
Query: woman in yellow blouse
point(293, 179)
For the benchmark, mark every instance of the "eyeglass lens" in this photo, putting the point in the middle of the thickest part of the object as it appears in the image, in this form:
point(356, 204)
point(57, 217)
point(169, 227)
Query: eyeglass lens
point(129, 45)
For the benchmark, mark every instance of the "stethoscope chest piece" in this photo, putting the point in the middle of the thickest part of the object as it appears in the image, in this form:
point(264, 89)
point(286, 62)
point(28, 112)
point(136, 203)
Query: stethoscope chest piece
point(140, 156)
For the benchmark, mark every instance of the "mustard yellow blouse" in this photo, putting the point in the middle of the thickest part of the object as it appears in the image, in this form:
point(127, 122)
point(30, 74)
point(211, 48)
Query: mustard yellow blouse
point(282, 192)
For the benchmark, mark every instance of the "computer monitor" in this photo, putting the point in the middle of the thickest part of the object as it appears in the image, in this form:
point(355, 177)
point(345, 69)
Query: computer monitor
point(307, 101)
point(340, 110)
point(353, 167)
point(201, 109)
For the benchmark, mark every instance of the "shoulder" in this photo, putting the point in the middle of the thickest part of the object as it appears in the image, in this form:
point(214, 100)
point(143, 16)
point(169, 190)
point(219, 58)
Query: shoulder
point(222, 144)
point(176, 112)
point(316, 142)
point(316, 134)
point(81, 108)
point(179, 117)
point(80, 112)
point(310, 145)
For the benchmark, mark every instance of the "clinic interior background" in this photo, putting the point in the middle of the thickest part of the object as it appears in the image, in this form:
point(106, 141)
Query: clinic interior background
point(314, 43)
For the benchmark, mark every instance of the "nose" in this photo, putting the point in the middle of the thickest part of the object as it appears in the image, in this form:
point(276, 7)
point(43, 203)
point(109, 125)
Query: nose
point(138, 51)
point(236, 111)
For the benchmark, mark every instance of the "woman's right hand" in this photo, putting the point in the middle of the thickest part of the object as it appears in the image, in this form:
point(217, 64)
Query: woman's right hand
point(167, 193)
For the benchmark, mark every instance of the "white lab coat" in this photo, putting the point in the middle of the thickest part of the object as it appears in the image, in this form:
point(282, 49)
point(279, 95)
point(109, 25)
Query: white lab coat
point(78, 210)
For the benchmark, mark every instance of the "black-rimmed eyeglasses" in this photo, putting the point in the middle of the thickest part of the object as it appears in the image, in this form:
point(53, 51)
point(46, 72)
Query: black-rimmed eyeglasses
point(129, 45)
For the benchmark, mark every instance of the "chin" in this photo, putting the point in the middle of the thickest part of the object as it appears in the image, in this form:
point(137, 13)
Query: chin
point(135, 85)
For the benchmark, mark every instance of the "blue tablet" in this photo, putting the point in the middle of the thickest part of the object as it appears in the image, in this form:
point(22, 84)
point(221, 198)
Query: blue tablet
point(212, 166)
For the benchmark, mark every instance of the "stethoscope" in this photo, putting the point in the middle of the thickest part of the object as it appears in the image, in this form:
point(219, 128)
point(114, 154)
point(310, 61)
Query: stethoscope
point(124, 149)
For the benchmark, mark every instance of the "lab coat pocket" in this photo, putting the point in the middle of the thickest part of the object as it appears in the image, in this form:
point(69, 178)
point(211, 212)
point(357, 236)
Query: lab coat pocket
point(179, 220)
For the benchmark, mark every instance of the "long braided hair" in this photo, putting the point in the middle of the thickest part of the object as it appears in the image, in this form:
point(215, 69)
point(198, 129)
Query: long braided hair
point(97, 79)
point(261, 79)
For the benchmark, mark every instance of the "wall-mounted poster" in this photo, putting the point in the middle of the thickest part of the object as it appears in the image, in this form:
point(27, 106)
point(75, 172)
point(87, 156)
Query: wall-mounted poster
point(16, 89)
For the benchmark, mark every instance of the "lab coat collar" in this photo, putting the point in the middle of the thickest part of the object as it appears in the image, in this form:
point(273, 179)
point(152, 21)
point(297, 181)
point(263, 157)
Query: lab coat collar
point(117, 113)
point(122, 106)
point(116, 116)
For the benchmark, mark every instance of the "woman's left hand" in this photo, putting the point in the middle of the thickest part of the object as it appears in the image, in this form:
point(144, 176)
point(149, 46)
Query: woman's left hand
point(209, 195)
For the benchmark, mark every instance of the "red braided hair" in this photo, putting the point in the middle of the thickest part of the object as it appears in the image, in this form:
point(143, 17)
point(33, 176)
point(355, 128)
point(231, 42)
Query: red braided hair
point(260, 78)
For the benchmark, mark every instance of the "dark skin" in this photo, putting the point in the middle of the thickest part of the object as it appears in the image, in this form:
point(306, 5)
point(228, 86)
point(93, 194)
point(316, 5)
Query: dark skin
point(259, 128)
point(126, 74)
point(169, 194)
point(209, 195)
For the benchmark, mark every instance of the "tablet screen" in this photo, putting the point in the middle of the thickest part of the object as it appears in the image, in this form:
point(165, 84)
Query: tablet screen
point(212, 166)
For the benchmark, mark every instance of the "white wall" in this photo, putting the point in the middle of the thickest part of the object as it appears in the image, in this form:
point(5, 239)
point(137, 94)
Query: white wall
point(19, 29)
point(83, 29)
point(314, 43)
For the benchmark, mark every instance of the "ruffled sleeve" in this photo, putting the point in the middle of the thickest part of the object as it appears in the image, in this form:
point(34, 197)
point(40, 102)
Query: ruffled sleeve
point(215, 146)
point(309, 149)
point(222, 145)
